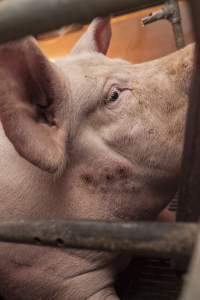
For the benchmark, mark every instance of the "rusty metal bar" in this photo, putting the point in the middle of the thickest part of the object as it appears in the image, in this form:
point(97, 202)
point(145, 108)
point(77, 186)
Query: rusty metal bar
point(19, 18)
point(171, 12)
point(189, 197)
point(152, 239)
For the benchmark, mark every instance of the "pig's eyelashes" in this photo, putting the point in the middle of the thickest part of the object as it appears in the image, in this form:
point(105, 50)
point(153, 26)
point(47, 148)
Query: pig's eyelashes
point(113, 96)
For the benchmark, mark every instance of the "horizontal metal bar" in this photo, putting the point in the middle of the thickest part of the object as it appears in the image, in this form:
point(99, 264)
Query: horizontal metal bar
point(152, 239)
point(19, 18)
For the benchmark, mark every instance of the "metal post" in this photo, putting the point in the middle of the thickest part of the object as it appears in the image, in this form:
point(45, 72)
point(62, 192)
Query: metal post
point(191, 290)
point(189, 204)
point(170, 12)
point(189, 197)
point(175, 20)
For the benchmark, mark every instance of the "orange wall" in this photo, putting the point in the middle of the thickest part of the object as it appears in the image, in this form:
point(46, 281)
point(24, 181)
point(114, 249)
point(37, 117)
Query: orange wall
point(130, 40)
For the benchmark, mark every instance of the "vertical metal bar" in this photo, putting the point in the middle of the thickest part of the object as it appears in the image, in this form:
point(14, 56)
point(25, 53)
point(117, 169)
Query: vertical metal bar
point(189, 199)
point(178, 33)
point(170, 12)
point(191, 289)
point(175, 20)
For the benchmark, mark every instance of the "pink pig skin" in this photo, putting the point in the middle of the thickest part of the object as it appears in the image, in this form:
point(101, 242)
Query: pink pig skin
point(87, 137)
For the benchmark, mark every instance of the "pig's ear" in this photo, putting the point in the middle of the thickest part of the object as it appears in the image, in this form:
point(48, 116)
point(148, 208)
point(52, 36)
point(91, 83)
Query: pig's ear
point(32, 104)
point(96, 38)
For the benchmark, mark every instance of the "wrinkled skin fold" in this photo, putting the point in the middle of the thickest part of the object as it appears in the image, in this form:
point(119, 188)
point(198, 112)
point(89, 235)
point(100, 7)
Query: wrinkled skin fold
point(87, 137)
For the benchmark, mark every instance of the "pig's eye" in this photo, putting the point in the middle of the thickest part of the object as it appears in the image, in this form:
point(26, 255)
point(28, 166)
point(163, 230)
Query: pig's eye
point(113, 96)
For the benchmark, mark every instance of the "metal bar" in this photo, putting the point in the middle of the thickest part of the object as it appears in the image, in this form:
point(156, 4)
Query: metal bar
point(189, 206)
point(152, 239)
point(154, 17)
point(178, 33)
point(19, 18)
point(175, 19)
point(171, 12)
point(191, 290)
point(189, 196)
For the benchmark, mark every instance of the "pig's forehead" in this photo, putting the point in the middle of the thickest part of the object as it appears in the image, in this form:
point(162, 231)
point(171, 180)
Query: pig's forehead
point(93, 70)
point(94, 64)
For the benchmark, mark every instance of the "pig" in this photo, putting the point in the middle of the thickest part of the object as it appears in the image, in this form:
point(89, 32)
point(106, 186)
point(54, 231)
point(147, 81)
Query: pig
point(86, 137)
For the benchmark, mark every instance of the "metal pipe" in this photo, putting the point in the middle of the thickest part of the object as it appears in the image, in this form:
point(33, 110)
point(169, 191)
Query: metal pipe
point(152, 239)
point(19, 18)
point(175, 19)
point(189, 196)
point(171, 12)
point(191, 290)
point(189, 204)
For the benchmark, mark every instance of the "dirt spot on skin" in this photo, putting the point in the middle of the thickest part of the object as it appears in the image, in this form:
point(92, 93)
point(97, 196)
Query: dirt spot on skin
point(122, 173)
point(109, 178)
point(172, 71)
point(105, 189)
point(88, 179)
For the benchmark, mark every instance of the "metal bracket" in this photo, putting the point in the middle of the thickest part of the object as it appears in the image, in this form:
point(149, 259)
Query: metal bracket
point(170, 12)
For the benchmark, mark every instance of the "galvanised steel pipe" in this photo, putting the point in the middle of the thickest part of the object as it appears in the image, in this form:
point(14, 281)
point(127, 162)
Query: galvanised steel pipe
point(19, 18)
point(144, 239)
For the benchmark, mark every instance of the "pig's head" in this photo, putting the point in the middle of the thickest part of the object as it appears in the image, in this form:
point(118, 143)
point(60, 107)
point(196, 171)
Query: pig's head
point(118, 125)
